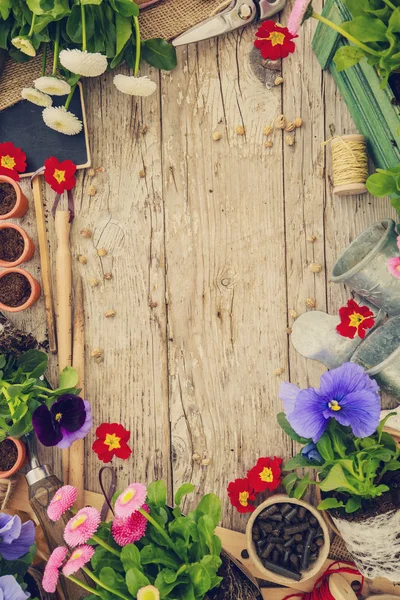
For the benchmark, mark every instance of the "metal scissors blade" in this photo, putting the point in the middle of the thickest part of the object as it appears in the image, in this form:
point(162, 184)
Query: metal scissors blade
point(238, 14)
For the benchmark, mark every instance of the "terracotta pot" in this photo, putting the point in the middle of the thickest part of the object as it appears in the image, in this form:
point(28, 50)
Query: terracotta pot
point(28, 251)
point(324, 550)
point(35, 290)
point(20, 458)
point(21, 206)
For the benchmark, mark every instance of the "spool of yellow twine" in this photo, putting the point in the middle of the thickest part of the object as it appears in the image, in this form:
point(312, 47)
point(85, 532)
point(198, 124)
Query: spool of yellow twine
point(349, 164)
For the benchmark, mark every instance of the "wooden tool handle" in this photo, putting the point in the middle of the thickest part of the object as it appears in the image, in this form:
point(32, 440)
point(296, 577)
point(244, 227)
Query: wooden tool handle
point(63, 304)
point(40, 495)
point(77, 450)
point(44, 262)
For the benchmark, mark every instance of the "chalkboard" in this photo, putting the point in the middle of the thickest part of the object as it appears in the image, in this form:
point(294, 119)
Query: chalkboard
point(23, 125)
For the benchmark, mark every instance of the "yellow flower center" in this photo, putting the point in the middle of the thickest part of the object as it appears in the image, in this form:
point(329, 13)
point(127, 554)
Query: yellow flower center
point(58, 497)
point(334, 405)
point(276, 38)
point(78, 521)
point(8, 162)
point(112, 441)
point(59, 175)
point(58, 417)
point(75, 555)
point(356, 319)
point(127, 496)
point(243, 498)
point(266, 475)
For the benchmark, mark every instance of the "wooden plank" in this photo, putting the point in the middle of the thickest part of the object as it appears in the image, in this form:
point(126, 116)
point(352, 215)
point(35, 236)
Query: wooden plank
point(225, 266)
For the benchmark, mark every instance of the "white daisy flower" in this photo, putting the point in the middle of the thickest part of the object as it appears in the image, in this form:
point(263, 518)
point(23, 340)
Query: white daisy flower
point(23, 43)
point(62, 120)
point(87, 64)
point(135, 86)
point(52, 86)
point(36, 97)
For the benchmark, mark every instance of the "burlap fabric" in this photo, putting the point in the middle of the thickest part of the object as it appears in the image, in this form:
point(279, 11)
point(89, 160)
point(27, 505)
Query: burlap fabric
point(166, 19)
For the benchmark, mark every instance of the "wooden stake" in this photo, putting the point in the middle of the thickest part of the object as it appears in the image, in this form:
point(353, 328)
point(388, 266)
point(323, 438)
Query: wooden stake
point(44, 262)
point(63, 305)
point(77, 450)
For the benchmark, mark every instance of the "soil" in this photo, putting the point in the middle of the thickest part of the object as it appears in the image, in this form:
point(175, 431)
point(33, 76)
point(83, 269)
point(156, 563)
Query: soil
point(8, 198)
point(8, 455)
point(11, 244)
point(235, 584)
point(15, 289)
point(370, 508)
point(14, 341)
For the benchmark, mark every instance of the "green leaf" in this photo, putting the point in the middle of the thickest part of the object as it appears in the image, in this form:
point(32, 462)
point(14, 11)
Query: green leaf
point(209, 505)
point(159, 556)
point(297, 462)
point(102, 557)
point(5, 8)
point(157, 493)
point(381, 185)
point(159, 54)
point(301, 488)
point(324, 447)
point(130, 557)
point(184, 528)
point(200, 579)
point(347, 56)
point(168, 579)
point(289, 481)
point(127, 8)
point(186, 488)
point(336, 479)
point(205, 528)
point(68, 378)
point(32, 360)
point(113, 580)
point(288, 429)
point(366, 29)
point(123, 29)
point(393, 465)
point(383, 423)
point(353, 504)
point(329, 503)
point(91, 2)
point(212, 563)
point(135, 580)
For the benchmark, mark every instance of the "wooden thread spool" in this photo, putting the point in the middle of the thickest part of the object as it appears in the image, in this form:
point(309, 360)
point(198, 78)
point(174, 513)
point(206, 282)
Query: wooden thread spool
point(349, 165)
point(340, 588)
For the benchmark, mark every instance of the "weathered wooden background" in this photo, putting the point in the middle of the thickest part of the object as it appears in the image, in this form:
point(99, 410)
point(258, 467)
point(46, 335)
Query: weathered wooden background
point(208, 253)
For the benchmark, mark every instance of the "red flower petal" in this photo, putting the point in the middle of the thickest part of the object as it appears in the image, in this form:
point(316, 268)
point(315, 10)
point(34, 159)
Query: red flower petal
point(9, 173)
point(106, 451)
point(355, 319)
point(266, 474)
point(59, 175)
point(241, 495)
point(274, 41)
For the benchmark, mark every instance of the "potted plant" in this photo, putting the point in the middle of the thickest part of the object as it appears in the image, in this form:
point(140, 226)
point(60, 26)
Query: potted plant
point(18, 290)
point(149, 550)
point(16, 246)
point(357, 463)
point(13, 203)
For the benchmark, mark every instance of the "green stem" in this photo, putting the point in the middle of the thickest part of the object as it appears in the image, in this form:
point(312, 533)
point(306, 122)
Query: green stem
point(68, 100)
point(56, 49)
point(44, 59)
point(138, 45)
point(83, 585)
point(83, 16)
point(101, 542)
point(103, 585)
point(159, 529)
point(389, 4)
point(344, 33)
point(30, 34)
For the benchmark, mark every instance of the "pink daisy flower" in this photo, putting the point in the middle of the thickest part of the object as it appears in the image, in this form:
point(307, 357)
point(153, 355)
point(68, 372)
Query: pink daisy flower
point(62, 501)
point(298, 15)
point(78, 559)
point(131, 499)
point(393, 265)
point(128, 530)
point(82, 526)
point(52, 570)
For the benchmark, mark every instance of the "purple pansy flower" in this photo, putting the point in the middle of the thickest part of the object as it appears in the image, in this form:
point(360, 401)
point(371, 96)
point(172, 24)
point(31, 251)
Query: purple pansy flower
point(15, 537)
point(310, 451)
point(68, 419)
point(11, 590)
point(346, 394)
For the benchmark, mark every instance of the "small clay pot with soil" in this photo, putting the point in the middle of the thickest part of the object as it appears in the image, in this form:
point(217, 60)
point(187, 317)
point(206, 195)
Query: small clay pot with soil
point(16, 246)
point(18, 290)
point(13, 203)
point(12, 456)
